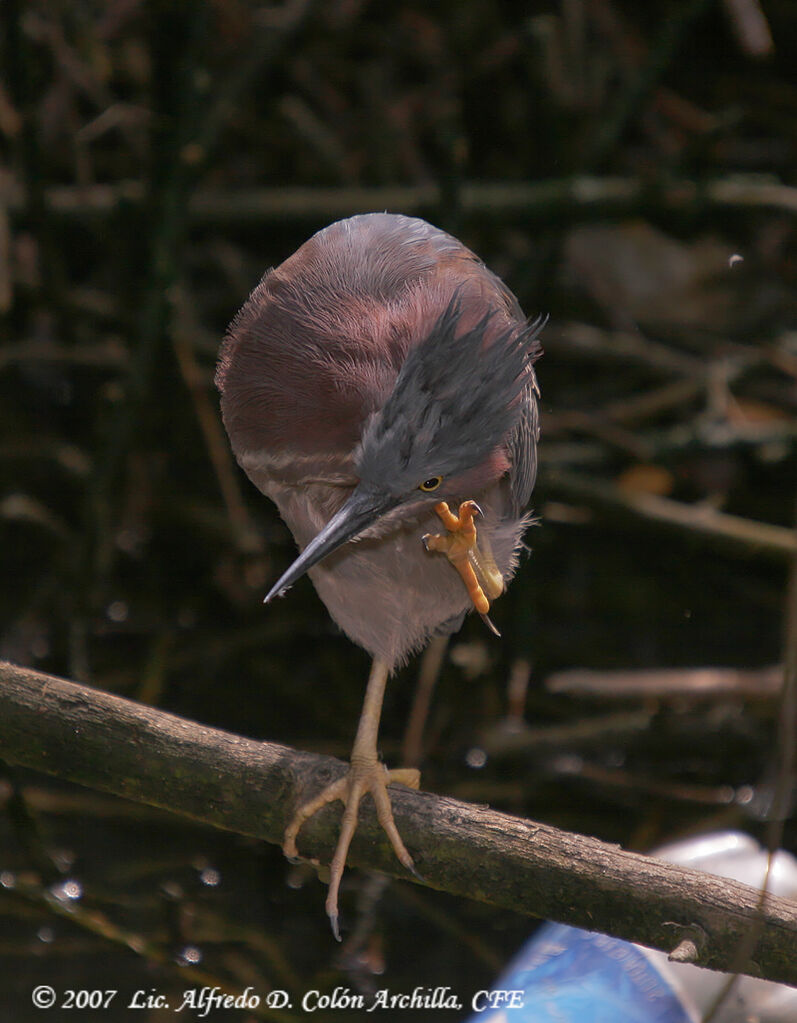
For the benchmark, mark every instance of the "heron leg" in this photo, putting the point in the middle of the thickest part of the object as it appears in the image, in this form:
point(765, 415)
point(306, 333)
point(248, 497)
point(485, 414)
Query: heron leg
point(365, 774)
point(469, 555)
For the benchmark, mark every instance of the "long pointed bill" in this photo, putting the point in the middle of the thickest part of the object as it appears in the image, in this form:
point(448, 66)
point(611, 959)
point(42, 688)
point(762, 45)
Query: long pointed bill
point(362, 509)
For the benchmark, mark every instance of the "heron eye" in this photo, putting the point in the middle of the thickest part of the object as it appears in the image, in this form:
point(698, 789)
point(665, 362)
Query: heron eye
point(431, 484)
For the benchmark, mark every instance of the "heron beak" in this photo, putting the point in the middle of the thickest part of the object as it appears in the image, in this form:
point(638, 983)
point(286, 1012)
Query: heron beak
point(361, 510)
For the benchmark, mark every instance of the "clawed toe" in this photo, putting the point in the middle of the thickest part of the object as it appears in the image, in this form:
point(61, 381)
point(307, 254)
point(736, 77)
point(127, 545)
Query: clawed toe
point(361, 778)
point(469, 553)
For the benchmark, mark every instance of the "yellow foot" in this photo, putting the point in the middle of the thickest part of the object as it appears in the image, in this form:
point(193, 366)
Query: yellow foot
point(369, 776)
point(471, 558)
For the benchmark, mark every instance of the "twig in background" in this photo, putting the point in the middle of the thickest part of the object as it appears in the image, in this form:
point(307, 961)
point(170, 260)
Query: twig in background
point(746, 536)
point(428, 674)
point(245, 533)
point(527, 201)
point(669, 683)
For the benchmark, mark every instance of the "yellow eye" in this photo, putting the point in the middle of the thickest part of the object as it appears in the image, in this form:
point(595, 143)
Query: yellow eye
point(431, 484)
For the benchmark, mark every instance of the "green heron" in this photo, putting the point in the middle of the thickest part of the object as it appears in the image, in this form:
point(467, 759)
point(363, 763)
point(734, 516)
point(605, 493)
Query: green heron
point(376, 379)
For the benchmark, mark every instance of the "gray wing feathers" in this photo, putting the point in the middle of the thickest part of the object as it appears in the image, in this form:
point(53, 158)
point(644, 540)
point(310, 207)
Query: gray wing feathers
point(523, 447)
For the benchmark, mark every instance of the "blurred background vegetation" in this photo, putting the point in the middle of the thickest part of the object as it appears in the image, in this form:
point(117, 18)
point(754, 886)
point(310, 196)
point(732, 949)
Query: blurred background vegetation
point(627, 169)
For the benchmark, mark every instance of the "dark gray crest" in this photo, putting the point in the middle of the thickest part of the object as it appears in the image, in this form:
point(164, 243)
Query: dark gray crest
point(455, 399)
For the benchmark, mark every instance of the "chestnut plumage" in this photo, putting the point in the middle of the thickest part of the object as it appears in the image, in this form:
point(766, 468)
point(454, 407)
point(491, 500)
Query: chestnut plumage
point(383, 353)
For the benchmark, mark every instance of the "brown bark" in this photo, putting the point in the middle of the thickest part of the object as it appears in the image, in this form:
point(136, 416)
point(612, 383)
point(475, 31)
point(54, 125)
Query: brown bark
point(143, 754)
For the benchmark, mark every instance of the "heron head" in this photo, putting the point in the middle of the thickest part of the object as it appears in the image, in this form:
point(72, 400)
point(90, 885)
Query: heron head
point(441, 431)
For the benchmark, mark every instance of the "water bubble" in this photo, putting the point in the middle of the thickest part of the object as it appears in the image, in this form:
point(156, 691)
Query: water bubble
point(117, 611)
point(190, 955)
point(735, 259)
point(67, 891)
point(46, 934)
point(295, 877)
point(8, 879)
point(210, 877)
point(476, 758)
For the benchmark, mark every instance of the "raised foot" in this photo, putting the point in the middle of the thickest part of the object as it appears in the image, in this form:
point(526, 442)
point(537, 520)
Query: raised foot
point(369, 776)
point(470, 555)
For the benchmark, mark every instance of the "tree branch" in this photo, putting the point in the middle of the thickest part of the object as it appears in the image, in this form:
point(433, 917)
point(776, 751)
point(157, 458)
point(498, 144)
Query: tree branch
point(533, 200)
point(118, 746)
point(747, 537)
